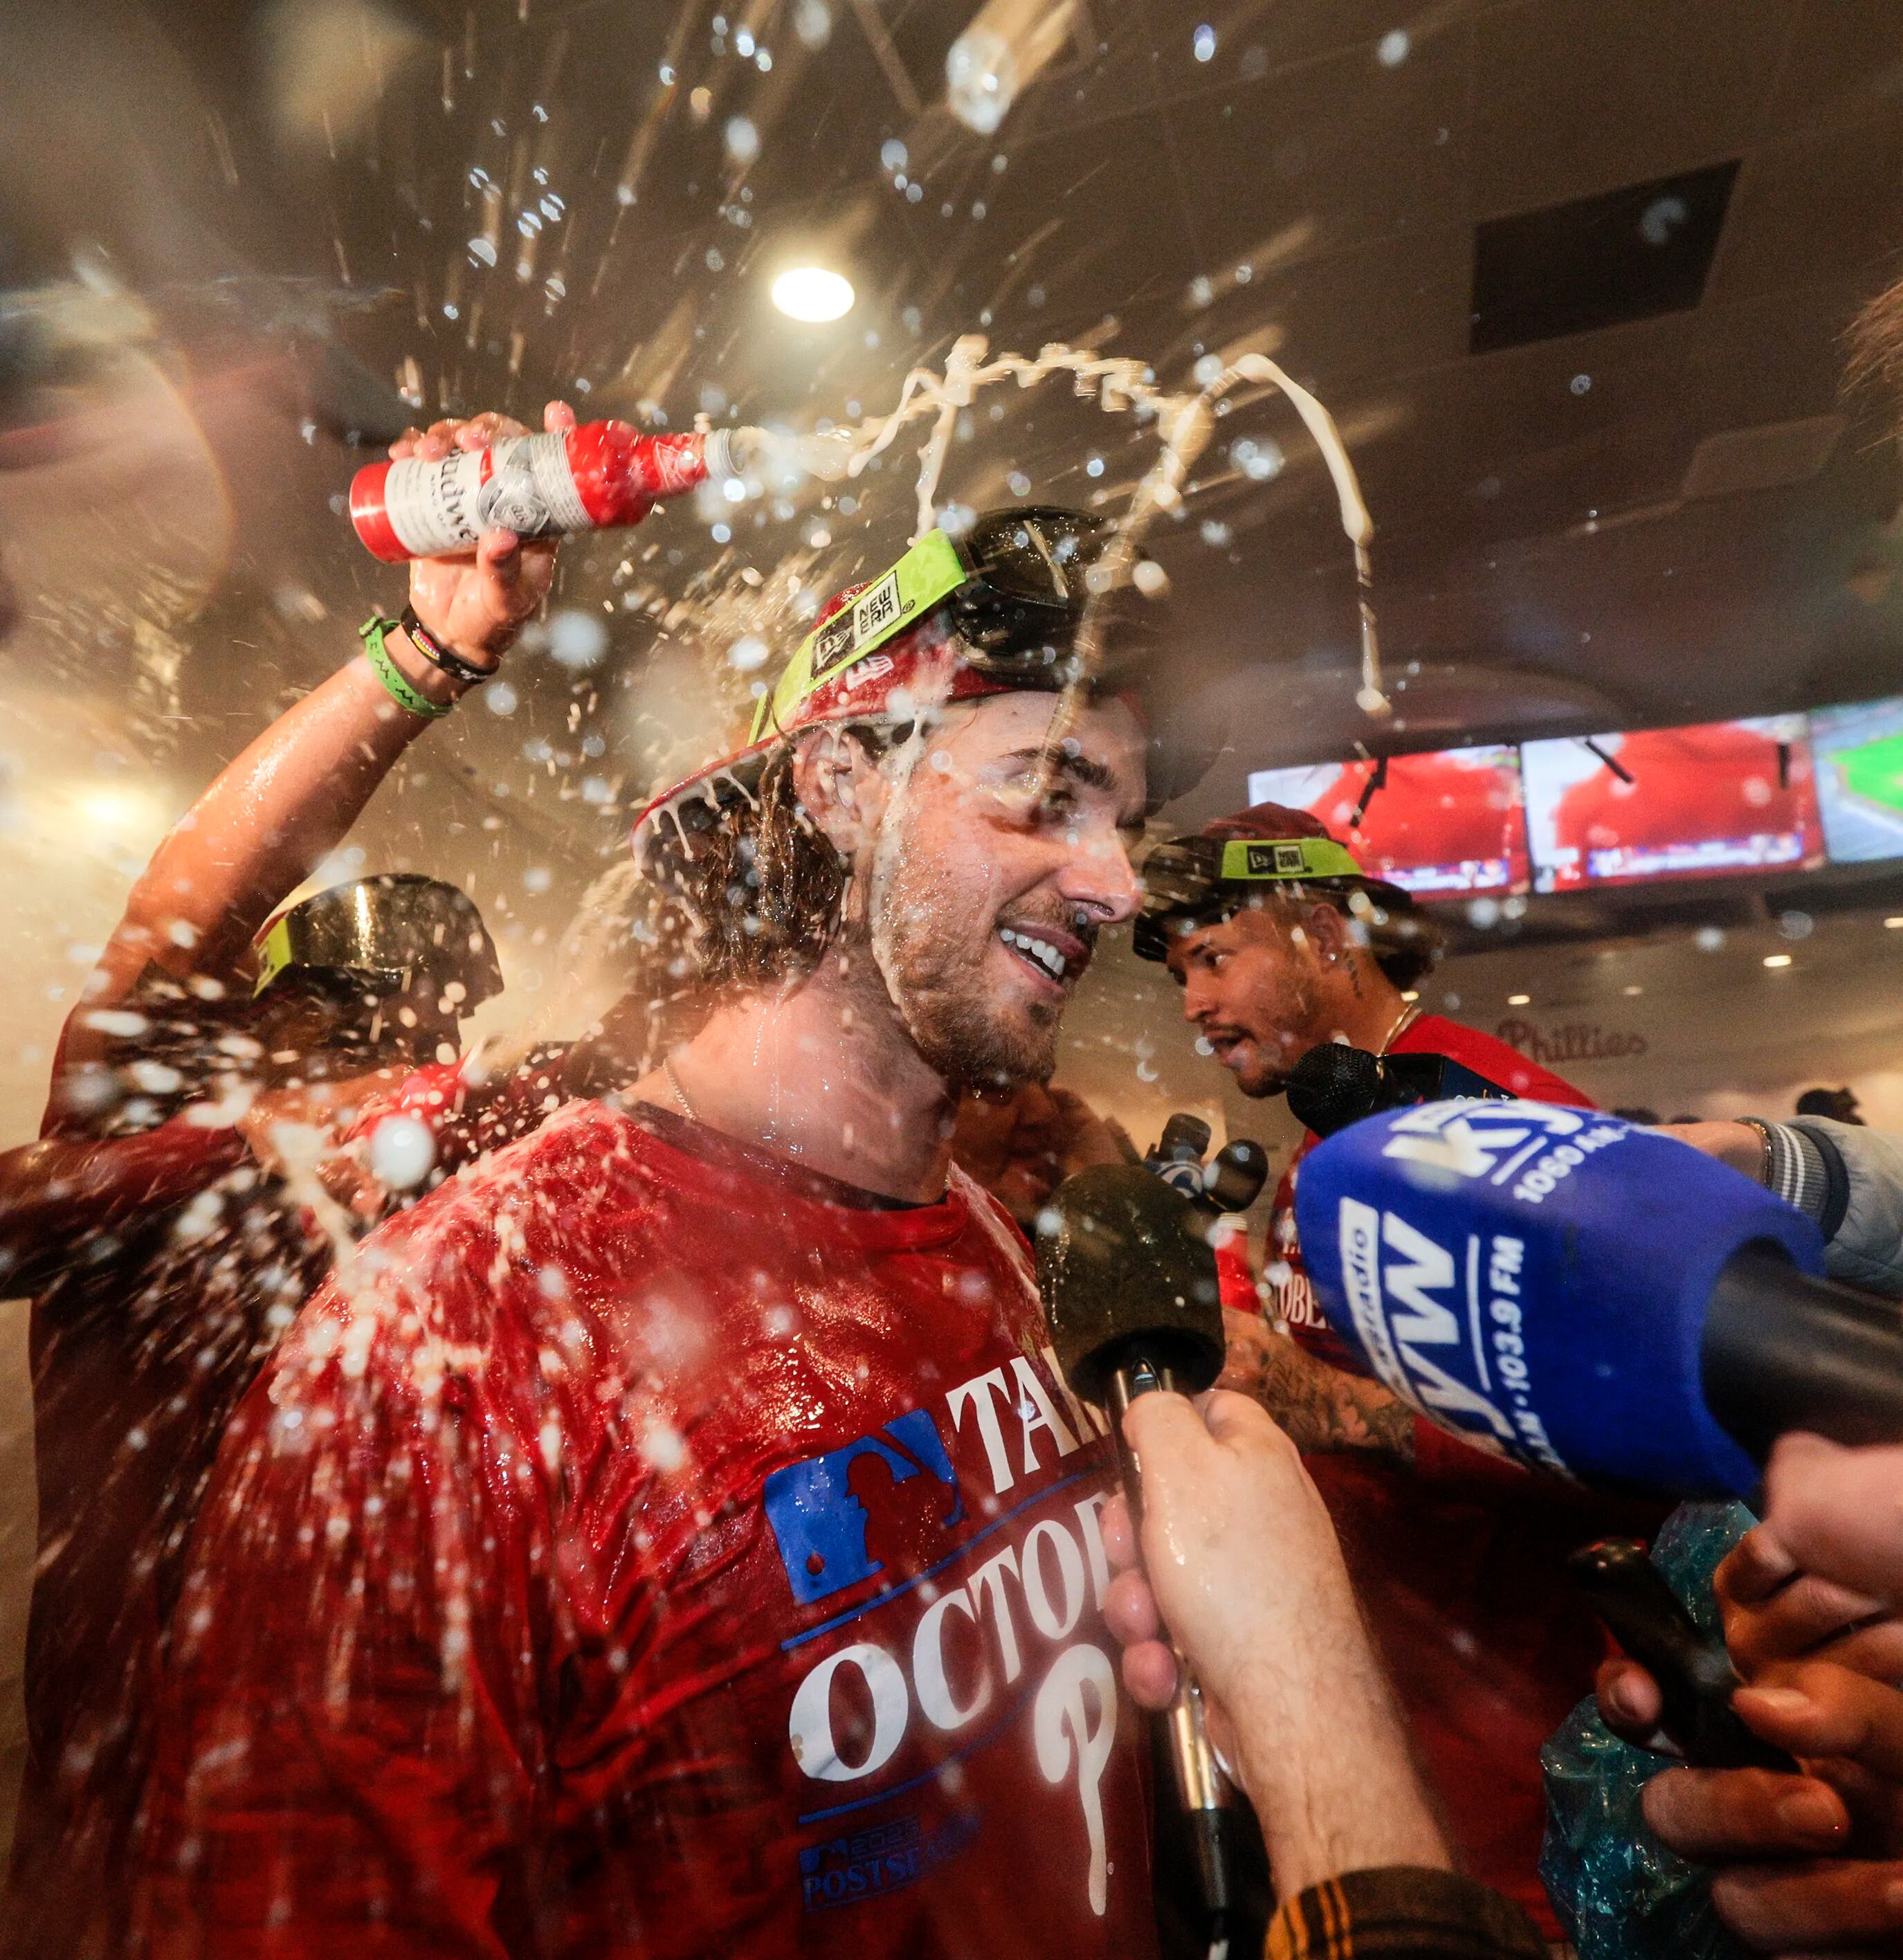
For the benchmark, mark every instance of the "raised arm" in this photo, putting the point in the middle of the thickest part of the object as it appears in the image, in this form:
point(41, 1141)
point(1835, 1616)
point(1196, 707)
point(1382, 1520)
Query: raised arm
point(289, 798)
point(65, 1192)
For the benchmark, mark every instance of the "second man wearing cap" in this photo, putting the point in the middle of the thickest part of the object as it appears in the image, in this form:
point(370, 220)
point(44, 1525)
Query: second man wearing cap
point(1281, 943)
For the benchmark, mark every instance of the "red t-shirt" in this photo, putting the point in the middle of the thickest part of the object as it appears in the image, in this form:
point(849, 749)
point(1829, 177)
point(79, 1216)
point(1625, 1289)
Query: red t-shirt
point(164, 1265)
point(1460, 1562)
point(649, 1550)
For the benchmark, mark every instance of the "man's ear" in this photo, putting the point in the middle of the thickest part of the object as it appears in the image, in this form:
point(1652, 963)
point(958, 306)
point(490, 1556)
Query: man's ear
point(1328, 932)
point(841, 787)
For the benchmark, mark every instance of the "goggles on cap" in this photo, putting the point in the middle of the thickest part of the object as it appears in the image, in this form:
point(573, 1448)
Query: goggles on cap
point(1185, 879)
point(1017, 583)
point(383, 934)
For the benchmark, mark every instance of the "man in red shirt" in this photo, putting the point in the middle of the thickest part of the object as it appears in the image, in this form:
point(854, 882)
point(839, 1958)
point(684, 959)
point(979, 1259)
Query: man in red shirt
point(1281, 943)
point(671, 1537)
point(164, 1247)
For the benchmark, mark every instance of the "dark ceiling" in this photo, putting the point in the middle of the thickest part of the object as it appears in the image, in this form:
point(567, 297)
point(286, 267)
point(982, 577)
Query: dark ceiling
point(1672, 518)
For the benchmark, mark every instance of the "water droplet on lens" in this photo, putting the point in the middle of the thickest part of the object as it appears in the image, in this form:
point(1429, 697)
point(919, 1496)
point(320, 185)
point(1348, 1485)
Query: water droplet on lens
point(980, 78)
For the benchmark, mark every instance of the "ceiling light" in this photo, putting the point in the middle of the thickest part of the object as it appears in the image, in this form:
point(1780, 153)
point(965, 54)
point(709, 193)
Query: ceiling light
point(1776, 959)
point(813, 294)
point(1893, 923)
point(1519, 999)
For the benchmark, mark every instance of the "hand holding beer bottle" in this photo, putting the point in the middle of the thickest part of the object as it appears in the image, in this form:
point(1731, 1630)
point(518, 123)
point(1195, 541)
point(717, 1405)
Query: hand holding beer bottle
point(475, 603)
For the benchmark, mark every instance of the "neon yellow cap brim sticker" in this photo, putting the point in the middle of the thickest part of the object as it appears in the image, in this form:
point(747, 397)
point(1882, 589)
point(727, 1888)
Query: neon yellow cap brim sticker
point(1246, 859)
point(930, 571)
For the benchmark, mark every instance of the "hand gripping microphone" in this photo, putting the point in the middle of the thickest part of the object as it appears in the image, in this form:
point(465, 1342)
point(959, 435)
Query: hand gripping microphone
point(1589, 1297)
point(1129, 1285)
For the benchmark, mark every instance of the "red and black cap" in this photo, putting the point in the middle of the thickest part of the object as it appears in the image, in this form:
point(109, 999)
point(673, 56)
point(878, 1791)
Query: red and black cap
point(996, 610)
point(1201, 880)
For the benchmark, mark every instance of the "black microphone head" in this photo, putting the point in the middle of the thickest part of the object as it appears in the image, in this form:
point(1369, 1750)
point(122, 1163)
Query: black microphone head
point(1127, 1272)
point(1236, 1175)
point(1333, 1085)
point(1184, 1139)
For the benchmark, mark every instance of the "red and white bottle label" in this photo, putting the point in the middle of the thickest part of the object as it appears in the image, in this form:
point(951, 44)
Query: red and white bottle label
point(521, 483)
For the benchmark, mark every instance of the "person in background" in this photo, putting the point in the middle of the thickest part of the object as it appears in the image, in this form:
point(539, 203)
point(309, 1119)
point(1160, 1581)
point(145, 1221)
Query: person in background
point(1280, 942)
point(177, 1209)
point(1241, 1568)
point(1020, 1145)
point(1840, 1105)
point(1846, 1178)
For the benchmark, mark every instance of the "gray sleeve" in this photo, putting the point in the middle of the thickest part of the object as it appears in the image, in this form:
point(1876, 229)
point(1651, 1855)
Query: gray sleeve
point(1852, 1179)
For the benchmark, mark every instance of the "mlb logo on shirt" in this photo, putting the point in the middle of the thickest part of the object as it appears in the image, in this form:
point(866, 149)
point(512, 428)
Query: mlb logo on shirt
point(820, 1522)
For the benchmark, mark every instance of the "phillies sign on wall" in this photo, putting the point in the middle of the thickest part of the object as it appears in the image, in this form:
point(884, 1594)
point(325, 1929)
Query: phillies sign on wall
point(1572, 1041)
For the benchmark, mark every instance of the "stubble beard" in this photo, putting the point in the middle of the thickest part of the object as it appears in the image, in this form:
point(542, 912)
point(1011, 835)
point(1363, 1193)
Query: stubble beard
point(933, 967)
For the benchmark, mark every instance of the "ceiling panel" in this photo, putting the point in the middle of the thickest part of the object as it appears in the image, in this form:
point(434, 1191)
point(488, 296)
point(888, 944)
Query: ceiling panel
point(1807, 213)
point(1574, 96)
point(1332, 156)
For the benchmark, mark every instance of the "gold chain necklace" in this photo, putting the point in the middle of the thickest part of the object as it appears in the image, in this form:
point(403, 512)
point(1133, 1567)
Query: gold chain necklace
point(680, 1094)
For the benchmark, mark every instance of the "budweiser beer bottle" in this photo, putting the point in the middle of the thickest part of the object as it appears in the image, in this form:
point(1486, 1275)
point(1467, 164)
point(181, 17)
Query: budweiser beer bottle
point(600, 475)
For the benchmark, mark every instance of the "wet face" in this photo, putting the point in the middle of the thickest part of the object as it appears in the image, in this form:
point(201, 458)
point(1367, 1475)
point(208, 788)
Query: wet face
point(1254, 987)
point(997, 862)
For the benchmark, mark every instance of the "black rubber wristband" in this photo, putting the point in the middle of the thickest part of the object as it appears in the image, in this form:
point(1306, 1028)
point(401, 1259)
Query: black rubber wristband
point(439, 656)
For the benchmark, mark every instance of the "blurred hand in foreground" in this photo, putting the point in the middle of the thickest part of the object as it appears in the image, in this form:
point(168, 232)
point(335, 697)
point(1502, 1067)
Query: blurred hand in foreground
point(1241, 1564)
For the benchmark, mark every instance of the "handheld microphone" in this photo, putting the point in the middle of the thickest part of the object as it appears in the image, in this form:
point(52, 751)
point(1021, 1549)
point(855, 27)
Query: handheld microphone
point(1589, 1296)
point(1231, 1181)
point(1334, 1085)
point(1129, 1285)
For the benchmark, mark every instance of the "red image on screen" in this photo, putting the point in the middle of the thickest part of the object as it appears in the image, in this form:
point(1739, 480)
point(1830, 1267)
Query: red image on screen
point(1445, 824)
point(1720, 797)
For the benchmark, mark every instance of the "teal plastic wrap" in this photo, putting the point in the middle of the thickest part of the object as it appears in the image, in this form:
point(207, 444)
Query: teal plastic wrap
point(1620, 1894)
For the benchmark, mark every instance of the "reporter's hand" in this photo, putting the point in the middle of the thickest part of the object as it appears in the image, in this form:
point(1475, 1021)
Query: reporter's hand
point(476, 602)
point(1239, 1550)
point(1737, 1144)
point(1247, 1575)
point(1810, 1863)
point(1839, 1512)
point(1774, 1611)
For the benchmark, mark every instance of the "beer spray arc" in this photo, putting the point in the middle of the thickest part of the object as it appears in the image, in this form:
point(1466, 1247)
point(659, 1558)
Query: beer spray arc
point(604, 474)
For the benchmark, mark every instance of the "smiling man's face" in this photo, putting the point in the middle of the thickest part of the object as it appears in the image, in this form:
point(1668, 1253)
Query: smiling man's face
point(1000, 868)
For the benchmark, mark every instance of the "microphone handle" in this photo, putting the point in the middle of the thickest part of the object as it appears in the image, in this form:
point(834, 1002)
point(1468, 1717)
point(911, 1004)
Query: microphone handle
point(1783, 1350)
point(1207, 1795)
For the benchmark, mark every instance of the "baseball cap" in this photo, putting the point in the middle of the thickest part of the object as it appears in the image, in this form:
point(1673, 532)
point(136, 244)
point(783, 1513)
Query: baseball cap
point(1198, 880)
point(996, 610)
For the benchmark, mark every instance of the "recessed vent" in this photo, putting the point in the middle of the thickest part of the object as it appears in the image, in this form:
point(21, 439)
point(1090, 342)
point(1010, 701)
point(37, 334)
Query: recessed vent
point(1625, 255)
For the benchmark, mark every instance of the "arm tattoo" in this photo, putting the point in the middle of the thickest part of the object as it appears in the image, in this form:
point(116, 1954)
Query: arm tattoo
point(1320, 1408)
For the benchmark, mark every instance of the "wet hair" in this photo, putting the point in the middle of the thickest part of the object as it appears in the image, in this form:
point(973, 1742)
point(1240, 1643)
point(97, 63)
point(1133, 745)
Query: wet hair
point(759, 886)
point(1875, 338)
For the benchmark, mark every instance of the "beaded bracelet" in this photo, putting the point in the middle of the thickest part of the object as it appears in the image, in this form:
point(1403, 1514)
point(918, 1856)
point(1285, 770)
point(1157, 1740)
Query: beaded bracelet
point(445, 660)
point(399, 690)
